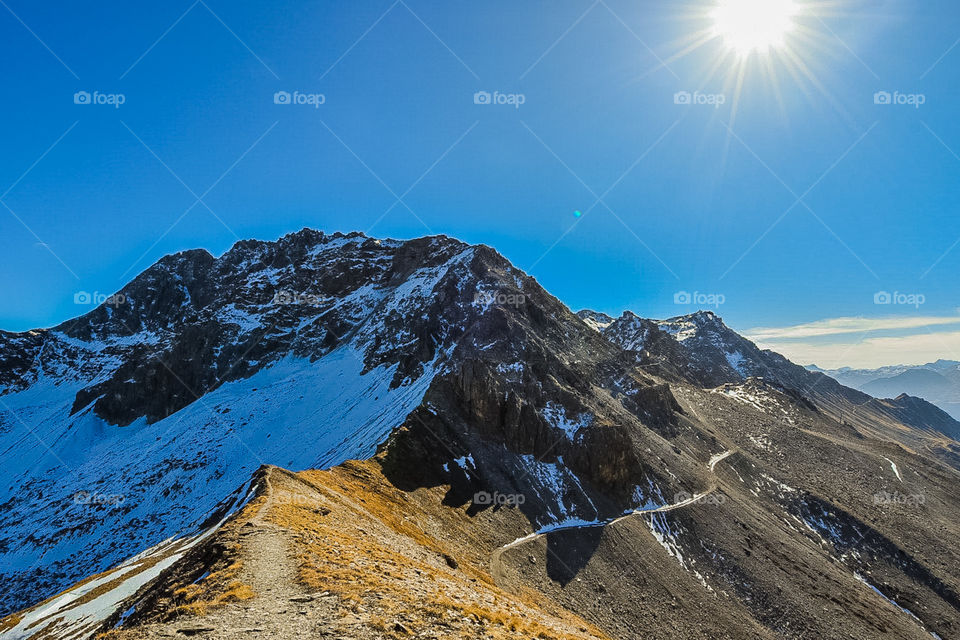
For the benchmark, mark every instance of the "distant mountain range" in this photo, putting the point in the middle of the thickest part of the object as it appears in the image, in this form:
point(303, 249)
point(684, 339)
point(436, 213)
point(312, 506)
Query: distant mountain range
point(937, 382)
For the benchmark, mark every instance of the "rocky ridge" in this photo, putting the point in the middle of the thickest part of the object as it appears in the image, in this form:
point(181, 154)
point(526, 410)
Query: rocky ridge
point(484, 397)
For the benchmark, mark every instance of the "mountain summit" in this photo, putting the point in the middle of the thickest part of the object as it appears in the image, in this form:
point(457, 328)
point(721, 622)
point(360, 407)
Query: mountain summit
point(354, 437)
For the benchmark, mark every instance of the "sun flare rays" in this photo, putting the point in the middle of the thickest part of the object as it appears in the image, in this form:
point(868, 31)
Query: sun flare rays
point(749, 26)
point(773, 42)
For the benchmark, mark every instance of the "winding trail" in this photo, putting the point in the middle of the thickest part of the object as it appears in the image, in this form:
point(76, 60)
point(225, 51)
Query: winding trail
point(496, 563)
point(717, 458)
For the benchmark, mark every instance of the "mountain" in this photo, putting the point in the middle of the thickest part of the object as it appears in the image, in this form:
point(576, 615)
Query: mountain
point(334, 435)
point(712, 354)
point(595, 320)
point(937, 382)
point(919, 382)
point(168, 402)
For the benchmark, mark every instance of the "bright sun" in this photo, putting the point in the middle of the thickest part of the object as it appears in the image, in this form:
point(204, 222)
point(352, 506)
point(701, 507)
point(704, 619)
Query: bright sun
point(749, 26)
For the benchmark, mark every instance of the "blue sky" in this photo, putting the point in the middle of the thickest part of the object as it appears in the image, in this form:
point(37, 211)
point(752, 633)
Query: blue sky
point(794, 203)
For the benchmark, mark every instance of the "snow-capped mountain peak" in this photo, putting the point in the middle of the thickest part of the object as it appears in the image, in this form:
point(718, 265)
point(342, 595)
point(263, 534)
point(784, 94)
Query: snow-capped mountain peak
point(135, 427)
point(201, 370)
point(595, 320)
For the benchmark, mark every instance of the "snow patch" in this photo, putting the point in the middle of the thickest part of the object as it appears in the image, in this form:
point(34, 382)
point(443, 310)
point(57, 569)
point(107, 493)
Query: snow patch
point(466, 463)
point(895, 604)
point(681, 330)
point(556, 416)
point(893, 465)
point(737, 361)
point(553, 483)
point(246, 320)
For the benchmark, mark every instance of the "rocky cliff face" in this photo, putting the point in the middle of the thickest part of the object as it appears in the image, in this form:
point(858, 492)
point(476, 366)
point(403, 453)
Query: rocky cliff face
point(700, 348)
point(304, 352)
point(309, 349)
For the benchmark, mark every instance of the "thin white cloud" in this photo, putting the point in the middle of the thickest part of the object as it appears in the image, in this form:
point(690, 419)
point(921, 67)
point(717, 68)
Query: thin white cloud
point(872, 353)
point(843, 326)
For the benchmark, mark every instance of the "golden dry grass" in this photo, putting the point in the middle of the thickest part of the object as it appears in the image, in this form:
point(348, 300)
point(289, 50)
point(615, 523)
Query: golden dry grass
point(360, 538)
point(215, 590)
point(10, 621)
point(401, 564)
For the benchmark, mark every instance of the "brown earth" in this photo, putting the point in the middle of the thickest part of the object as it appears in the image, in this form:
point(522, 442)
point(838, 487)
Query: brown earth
point(320, 564)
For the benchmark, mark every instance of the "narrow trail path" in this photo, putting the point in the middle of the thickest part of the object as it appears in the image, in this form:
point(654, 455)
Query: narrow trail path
point(268, 564)
point(269, 568)
point(717, 458)
point(496, 562)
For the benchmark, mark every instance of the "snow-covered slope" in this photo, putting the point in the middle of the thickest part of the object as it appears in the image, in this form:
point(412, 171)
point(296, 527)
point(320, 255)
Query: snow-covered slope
point(78, 612)
point(139, 484)
point(129, 425)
